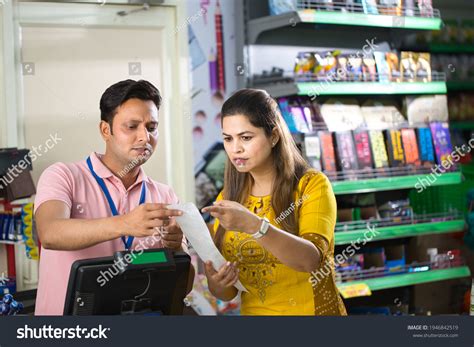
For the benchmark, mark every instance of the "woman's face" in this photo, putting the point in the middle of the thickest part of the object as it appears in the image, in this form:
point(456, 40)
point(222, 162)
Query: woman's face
point(248, 147)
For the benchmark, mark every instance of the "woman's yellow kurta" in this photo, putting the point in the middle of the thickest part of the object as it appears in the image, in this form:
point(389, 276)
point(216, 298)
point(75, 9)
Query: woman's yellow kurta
point(274, 288)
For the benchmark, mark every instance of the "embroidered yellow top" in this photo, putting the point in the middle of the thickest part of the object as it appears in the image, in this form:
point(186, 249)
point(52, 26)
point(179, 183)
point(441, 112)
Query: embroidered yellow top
point(274, 288)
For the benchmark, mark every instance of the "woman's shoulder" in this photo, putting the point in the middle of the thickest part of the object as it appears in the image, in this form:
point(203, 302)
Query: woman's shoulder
point(312, 179)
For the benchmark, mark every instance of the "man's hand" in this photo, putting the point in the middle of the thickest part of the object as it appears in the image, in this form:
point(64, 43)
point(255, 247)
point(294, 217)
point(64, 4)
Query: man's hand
point(172, 236)
point(144, 220)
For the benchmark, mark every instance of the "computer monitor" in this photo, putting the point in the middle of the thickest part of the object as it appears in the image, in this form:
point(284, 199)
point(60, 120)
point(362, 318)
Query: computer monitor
point(153, 282)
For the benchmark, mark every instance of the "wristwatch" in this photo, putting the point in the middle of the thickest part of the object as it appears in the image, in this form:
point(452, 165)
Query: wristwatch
point(263, 229)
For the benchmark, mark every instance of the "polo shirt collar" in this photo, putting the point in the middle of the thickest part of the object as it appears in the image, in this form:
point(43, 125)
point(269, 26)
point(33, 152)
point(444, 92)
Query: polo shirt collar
point(104, 172)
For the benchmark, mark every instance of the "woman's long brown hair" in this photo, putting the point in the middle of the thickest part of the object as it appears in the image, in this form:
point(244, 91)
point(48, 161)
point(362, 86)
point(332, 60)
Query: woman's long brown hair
point(263, 112)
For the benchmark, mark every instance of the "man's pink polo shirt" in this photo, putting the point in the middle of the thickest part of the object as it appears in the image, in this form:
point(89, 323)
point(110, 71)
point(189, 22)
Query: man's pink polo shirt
point(76, 187)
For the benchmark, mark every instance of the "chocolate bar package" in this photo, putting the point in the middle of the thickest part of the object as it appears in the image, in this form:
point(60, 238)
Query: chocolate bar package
point(425, 145)
point(382, 66)
point(408, 66)
point(354, 68)
point(328, 155)
point(393, 66)
point(312, 151)
point(369, 70)
point(305, 63)
point(423, 67)
point(377, 143)
point(391, 7)
point(285, 109)
point(347, 158)
point(343, 67)
point(426, 8)
point(396, 155)
point(442, 144)
point(364, 155)
point(412, 155)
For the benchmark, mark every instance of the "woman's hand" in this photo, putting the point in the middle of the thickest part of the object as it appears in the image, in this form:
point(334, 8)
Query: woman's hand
point(234, 216)
point(224, 279)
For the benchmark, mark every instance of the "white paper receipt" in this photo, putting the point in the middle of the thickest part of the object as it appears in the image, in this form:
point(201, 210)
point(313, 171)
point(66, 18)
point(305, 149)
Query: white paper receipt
point(197, 233)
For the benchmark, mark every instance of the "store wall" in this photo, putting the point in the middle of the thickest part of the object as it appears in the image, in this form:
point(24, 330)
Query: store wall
point(215, 72)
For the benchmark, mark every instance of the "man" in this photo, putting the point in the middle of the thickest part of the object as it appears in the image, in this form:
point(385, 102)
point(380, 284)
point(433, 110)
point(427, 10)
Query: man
point(92, 208)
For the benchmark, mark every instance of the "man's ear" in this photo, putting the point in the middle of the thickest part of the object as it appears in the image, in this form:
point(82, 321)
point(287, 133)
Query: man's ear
point(105, 130)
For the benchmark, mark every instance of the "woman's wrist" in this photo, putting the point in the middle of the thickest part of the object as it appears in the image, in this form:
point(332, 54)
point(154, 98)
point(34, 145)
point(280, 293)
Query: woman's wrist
point(253, 225)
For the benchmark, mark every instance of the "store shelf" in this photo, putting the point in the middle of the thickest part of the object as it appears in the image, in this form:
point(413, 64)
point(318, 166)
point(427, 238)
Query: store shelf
point(391, 183)
point(451, 48)
point(460, 85)
point(410, 279)
point(463, 125)
point(310, 16)
point(398, 231)
point(355, 88)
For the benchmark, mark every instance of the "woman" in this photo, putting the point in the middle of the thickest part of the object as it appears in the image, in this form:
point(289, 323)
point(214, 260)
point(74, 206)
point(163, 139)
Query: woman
point(266, 178)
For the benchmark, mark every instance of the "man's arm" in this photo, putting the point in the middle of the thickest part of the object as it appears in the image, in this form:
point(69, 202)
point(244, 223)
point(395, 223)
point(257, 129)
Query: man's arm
point(58, 231)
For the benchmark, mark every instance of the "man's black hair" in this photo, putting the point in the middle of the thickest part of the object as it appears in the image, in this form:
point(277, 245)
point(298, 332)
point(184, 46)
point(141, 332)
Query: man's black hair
point(118, 93)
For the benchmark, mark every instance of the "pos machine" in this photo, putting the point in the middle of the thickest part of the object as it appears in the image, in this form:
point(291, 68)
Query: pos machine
point(148, 282)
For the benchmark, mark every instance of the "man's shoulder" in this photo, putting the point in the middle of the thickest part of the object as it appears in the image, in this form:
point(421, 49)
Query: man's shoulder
point(73, 170)
point(163, 189)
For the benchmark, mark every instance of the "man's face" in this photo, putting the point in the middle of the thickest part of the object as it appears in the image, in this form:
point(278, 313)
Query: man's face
point(135, 131)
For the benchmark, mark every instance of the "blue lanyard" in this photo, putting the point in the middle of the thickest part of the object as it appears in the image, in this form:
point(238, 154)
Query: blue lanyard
point(127, 242)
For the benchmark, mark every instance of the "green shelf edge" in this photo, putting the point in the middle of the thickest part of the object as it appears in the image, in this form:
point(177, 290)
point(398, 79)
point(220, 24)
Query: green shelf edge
point(410, 279)
point(398, 231)
point(370, 88)
point(391, 183)
point(371, 20)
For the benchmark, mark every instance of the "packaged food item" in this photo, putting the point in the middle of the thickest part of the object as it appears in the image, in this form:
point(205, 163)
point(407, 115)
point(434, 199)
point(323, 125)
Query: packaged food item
point(396, 155)
point(370, 7)
point(381, 114)
point(285, 109)
point(342, 114)
point(347, 157)
point(383, 70)
point(442, 144)
point(281, 6)
point(312, 150)
point(408, 66)
point(343, 67)
point(369, 70)
point(390, 7)
point(426, 8)
point(425, 144)
point(362, 144)
point(423, 67)
point(326, 63)
point(409, 8)
point(393, 66)
point(412, 155)
point(328, 155)
point(354, 71)
point(379, 151)
point(305, 63)
point(426, 108)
